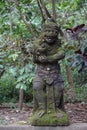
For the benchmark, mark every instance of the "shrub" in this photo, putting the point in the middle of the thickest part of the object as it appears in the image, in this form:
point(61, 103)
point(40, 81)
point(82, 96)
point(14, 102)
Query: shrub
point(8, 92)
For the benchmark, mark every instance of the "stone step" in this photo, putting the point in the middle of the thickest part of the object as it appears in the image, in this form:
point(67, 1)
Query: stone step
point(75, 126)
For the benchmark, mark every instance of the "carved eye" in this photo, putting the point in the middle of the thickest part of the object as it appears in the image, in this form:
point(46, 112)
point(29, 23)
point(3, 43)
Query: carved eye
point(56, 31)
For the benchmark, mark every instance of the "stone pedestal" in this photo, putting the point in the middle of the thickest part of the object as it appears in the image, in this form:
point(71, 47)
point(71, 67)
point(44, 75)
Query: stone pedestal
point(51, 118)
point(75, 126)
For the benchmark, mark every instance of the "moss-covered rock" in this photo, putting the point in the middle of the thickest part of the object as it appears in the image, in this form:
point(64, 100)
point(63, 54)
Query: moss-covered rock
point(51, 118)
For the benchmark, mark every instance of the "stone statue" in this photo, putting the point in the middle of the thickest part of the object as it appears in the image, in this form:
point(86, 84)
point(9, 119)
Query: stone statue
point(48, 84)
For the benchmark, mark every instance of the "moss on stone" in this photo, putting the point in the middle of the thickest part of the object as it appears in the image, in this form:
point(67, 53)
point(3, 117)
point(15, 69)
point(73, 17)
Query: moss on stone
point(51, 118)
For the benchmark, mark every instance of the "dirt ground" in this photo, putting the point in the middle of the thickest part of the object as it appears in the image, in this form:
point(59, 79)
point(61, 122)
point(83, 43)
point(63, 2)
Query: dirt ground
point(9, 114)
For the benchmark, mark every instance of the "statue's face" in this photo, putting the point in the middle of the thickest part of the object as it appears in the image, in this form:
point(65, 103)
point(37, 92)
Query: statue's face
point(51, 35)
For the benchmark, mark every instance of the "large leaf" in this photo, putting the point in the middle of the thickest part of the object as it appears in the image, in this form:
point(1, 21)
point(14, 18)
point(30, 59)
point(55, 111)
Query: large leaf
point(21, 86)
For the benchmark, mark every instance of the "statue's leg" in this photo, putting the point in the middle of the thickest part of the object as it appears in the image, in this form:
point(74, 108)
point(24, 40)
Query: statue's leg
point(50, 97)
point(39, 94)
point(61, 100)
point(59, 96)
point(35, 100)
point(45, 97)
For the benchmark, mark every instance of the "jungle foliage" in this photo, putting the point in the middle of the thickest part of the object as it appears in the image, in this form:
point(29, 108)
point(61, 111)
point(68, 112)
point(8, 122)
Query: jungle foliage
point(20, 24)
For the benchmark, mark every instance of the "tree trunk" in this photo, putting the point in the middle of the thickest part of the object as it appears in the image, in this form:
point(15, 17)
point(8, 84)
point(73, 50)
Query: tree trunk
point(54, 9)
point(21, 94)
point(71, 93)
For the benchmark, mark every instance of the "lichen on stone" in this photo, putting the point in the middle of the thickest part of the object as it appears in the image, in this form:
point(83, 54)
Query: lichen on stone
point(51, 118)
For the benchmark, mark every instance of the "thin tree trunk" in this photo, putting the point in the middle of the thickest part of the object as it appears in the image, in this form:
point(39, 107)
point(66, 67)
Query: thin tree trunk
point(10, 23)
point(71, 83)
point(54, 9)
point(21, 94)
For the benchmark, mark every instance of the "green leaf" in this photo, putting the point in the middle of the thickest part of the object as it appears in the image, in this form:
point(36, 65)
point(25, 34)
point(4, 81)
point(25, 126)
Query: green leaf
point(13, 71)
point(1, 66)
point(21, 86)
point(13, 56)
point(22, 71)
point(22, 78)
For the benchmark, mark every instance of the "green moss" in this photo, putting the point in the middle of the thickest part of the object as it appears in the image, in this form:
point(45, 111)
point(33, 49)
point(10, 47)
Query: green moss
point(40, 40)
point(51, 118)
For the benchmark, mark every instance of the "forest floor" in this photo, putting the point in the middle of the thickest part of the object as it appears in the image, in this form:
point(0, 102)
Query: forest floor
point(10, 115)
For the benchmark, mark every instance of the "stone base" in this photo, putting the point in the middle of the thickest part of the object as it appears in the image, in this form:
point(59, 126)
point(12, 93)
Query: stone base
point(51, 118)
point(75, 126)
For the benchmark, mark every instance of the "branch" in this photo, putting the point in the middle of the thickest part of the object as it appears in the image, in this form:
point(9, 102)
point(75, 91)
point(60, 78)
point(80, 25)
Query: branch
point(41, 10)
point(48, 14)
point(44, 9)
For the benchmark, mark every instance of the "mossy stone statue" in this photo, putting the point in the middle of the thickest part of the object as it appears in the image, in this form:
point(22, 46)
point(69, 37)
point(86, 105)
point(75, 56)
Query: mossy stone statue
point(48, 84)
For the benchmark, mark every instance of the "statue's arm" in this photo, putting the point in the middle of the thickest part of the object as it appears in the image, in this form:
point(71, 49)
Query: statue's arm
point(37, 52)
point(52, 58)
point(33, 53)
point(57, 56)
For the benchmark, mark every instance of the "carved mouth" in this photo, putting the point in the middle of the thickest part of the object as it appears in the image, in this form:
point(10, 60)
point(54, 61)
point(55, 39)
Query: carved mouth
point(51, 39)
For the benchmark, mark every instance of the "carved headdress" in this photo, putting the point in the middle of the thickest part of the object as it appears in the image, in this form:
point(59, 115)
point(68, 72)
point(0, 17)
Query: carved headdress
point(51, 24)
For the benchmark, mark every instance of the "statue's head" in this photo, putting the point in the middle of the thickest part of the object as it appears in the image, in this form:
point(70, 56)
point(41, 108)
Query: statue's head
point(51, 30)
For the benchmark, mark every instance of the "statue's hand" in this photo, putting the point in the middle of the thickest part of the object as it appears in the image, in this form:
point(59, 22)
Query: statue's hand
point(42, 58)
point(39, 51)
